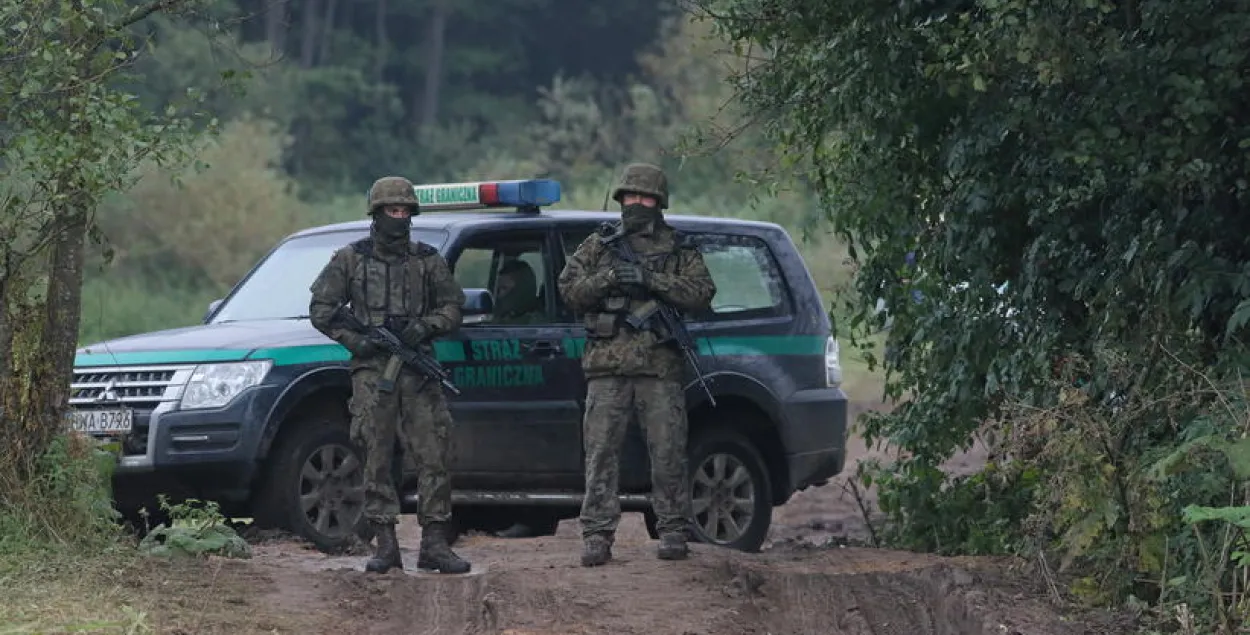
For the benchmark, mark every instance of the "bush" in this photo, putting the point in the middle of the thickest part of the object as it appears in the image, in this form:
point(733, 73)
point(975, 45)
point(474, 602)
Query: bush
point(67, 503)
point(180, 240)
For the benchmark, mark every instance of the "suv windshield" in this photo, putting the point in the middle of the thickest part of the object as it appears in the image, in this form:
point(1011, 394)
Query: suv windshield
point(278, 288)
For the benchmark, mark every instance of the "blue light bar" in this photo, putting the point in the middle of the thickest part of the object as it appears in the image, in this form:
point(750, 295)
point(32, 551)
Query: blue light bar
point(531, 193)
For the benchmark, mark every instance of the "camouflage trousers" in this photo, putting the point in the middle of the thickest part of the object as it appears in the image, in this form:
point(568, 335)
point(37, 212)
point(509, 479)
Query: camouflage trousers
point(416, 418)
point(659, 405)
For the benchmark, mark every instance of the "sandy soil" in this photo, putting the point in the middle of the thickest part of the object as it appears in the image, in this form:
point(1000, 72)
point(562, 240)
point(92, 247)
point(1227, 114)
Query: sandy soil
point(798, 585)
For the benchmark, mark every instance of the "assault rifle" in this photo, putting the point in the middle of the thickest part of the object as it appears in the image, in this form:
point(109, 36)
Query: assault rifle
point(653, 311)
point(425, 365)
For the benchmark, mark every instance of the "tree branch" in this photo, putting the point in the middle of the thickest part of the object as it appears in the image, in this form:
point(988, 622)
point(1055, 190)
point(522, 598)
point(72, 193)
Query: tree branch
point(139, 14)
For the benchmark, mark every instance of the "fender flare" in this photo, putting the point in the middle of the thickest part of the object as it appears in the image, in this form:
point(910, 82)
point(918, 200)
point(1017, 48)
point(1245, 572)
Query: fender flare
point(733, 384)
point(310, 383)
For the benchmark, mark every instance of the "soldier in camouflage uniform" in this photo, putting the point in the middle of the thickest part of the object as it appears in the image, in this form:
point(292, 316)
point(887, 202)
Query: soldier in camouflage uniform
point(407, 286)
point(629, 372)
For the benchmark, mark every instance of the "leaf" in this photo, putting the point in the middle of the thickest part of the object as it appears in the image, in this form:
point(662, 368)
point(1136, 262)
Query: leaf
point(1239, 516)
point(1241, 315)
point(1238, 455)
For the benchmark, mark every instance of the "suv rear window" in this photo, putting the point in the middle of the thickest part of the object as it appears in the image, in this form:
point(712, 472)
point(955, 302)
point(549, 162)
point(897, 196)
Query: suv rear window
point(749, 283)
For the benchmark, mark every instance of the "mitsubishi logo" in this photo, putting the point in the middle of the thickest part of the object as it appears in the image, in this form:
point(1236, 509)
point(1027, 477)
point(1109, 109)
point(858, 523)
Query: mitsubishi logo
point(108, 394)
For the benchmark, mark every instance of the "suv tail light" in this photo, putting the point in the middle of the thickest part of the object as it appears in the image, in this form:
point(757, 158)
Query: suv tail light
point(833, 365)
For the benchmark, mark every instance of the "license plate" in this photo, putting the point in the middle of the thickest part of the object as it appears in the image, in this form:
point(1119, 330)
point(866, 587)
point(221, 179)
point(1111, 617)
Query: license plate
point(102, 421)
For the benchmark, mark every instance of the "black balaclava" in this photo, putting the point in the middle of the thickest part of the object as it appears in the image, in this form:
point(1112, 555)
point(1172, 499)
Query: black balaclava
point(637, 217)
point(391, 235)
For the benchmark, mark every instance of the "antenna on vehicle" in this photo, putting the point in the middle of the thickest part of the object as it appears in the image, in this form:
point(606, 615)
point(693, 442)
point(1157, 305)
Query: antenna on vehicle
point(607, 194)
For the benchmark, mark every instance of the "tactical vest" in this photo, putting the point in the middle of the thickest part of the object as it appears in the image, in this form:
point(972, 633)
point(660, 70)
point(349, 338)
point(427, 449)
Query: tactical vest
point(608, 318)
point(373, 281)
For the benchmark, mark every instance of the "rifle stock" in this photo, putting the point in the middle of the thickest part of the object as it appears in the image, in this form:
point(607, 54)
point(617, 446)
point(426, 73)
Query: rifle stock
point(401, 355)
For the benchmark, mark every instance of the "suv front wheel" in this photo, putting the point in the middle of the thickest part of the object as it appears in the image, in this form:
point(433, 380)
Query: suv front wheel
point(314, 485)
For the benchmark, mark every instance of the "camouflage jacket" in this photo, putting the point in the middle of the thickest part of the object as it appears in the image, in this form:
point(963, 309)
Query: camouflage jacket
point(678, 277)
point(418, 286)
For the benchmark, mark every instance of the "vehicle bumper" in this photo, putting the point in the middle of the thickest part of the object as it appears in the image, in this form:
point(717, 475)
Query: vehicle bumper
point(815, 435)
point(215, 445)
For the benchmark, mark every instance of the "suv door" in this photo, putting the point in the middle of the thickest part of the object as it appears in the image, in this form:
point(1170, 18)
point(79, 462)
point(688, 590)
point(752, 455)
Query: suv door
point(752, 306)
point(516, 417)
point(635, 464)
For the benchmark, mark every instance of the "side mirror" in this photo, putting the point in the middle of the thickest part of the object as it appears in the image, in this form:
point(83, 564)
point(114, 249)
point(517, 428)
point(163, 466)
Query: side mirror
point(478, 305)
point(212, 306)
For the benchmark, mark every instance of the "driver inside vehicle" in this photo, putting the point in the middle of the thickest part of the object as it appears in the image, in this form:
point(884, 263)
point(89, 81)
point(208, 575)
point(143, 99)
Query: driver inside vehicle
point(516, 295)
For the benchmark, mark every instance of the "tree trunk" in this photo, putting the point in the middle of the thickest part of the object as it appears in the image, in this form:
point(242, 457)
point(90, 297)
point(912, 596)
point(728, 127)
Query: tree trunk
point(327, 32)
point(276, 25)
point(64, 311)
point(308, 34)
point(380, 42)
point(428, 111)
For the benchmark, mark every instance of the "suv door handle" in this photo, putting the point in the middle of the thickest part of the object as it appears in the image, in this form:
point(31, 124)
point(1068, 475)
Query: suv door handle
point(544, 348)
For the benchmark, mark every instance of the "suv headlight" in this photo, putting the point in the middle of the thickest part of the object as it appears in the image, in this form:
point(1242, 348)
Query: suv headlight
point(214, 385)
point(833, 364)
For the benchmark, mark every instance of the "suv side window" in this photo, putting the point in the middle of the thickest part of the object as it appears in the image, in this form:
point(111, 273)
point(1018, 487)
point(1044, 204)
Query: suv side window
point(749, 283)
point(513, 266)
point(570, 239)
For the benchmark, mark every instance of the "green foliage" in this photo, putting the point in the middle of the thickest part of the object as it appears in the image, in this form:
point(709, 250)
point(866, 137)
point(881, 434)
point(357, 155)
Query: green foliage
point(182, 239)
point(1091, 155)
point(167, 266)
point(68, 139)
point(196, 529)
point(67, 504)
point(361, 92)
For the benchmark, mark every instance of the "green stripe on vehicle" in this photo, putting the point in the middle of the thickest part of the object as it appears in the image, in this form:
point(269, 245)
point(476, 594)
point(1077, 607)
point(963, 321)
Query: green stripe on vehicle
point(747, 345)
point(445, 351)
point(144, 358)
point(763, 345)
point(292, 355)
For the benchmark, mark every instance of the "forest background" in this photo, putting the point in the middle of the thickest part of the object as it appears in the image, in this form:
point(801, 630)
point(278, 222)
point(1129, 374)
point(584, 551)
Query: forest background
point(1092, 154)
point(338, 93)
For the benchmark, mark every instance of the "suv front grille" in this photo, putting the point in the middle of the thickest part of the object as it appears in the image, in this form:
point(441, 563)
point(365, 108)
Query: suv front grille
point(142, 388)
point(136, 387)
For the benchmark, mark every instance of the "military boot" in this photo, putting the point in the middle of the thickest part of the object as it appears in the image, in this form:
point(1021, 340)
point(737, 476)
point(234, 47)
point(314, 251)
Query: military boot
point(436, 554)
point(673, 547)
point(386, 556)
point(597, 550)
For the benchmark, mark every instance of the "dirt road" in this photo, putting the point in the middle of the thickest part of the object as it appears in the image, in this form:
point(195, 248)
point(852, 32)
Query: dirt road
point(796, 586)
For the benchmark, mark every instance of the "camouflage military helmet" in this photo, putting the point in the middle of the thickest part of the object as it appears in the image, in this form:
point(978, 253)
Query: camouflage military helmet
point(392, 190)
point(643, 178)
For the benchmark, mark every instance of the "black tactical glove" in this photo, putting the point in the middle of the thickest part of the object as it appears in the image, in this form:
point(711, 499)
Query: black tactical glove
point(360, 346)
point(631, 274)
point(415, 333)
point(396, 324)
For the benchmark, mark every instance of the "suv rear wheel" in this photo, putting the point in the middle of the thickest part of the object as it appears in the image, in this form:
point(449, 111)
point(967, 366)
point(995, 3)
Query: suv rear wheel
point(314, 484)
point(730, 490)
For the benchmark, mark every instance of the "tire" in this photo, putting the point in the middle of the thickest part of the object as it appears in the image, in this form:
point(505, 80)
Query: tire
point(335, 519)
point(716, 456)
